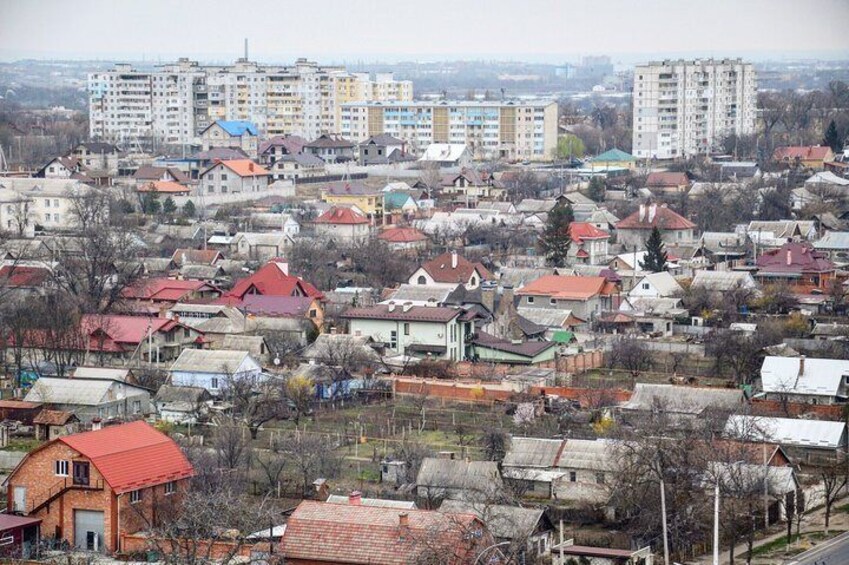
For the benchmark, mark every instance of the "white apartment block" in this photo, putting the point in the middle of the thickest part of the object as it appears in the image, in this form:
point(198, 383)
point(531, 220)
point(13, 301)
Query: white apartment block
point(687, 107)
point(509, 129)
point(173, 104)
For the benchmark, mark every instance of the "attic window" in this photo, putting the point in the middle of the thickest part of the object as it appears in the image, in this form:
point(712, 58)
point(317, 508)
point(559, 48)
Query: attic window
point(530, 300)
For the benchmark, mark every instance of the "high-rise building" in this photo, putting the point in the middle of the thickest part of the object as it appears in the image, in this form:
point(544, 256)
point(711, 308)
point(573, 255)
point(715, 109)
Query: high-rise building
point(686, 108)
point(514, 129)
point(176, 102)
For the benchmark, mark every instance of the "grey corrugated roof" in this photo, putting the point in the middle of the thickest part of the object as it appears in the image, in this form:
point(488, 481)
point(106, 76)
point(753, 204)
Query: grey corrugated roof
point(532, 452)
point(548, 317)
point(503, 521)
point(722, 280)
point(376, 502)
point(682, 399)
point(212, 360)
point(478, 477)
point(787, 431)
point(833, 240)
point(593, 455)
point(80, 392)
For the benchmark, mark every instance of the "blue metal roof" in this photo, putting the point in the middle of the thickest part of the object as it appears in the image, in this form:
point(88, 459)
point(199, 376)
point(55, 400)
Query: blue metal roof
point(237, 128)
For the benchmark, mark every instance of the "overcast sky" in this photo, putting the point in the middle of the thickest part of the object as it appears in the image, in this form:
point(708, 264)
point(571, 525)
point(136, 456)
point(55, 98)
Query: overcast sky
point(391, 30)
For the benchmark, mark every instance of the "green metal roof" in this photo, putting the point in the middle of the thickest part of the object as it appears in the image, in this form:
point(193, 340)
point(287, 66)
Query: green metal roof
point(395, 200)
point(562, 336)
point(614, 155)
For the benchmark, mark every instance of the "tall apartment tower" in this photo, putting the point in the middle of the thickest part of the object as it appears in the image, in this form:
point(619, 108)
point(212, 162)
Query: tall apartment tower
point(514, 129)
point(176, 102)
point(686, 108)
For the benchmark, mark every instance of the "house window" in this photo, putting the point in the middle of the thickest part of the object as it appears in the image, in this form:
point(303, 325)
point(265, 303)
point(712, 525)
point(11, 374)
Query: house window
point(573, 476)
point(169, 337)
point(170, 488)
point(135, 496)
point(421, 280)
point(313, 313)
point(406, 328)
point(645, 286)
point(552, 301)
point(62, 468)
point(213, 383)
point(530, 300)
point(187, 332)
point(136, 406)
point(393, 339)
point(599, 478)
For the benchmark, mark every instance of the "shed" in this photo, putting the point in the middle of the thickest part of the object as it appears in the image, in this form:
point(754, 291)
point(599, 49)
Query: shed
point(50, 424)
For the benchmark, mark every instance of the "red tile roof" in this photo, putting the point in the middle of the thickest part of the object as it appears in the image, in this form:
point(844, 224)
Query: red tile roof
point(568, 287)
point(803, 152)
point(337, 533)
point(402, 235)
point(580, 231)
point(23, 277)
point(276, 306)
point(440, 270)
point(794, 259)
point(341, 216)
point(652, 215)
point(117, 333)
point(196, 256)
point(132, 456)
point(162, 289)
point(271, 280)
point(667, 179)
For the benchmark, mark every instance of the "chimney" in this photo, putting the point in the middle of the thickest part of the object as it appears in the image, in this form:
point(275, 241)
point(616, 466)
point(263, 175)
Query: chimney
point(251, 167)
point(453, 259)
point(642, 211)
point(789, 257)
point(96, 424)
point(652, 212)
point(355, 498)
point(406, 307)
point(801, 365)
point(403, 520)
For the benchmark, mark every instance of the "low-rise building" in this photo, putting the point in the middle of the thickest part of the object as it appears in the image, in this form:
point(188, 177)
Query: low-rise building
point(343, 226)
point(457, 479)
point(585, 297)
point(88, 399)
point(214, 369)
point(241, 176)
point(450, 267)
point(808, 156)
point(231, 133)
point(331, 148)
point(797, 379)
point(634, 231)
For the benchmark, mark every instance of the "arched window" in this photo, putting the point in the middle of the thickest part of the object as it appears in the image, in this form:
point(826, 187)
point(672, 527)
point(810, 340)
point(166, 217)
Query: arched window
point(474, 281)
point(422, 280)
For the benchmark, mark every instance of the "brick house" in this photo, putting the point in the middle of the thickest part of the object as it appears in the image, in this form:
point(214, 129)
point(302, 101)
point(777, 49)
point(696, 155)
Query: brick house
point(90, 488)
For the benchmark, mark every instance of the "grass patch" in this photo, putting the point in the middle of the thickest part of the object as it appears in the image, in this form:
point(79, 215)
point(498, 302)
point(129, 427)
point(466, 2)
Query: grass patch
point(780, 545)
point(22, 444)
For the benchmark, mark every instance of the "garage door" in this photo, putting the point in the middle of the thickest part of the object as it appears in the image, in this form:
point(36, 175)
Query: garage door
point(88, 530)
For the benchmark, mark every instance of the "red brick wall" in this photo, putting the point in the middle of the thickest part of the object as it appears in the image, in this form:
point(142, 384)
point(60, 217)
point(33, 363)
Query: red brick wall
point(774, 408)
point(452, 390)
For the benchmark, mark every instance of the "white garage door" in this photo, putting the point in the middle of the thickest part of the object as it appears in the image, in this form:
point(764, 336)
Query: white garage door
point(88, 530)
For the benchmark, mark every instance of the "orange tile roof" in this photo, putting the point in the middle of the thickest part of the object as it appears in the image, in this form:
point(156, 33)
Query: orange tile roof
point(802, 152)
point(165, 186)
point(580, 231)
point(440, 270)
point(337, 533)
point(132, 456)
point(654, 215)
point(568, 287)
point(245, 168)
point(402, 235)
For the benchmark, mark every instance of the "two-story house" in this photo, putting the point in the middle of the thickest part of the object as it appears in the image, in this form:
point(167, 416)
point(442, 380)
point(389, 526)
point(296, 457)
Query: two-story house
point(453, 268)
point(238, 176)
point(90, 488)
point(332, 149)
point(343, 226)
point(344, 193)
point(98, 156)
point(231, 133)
point(422, 331)
point(589, 244)
point(278, 146)
point(634, 231)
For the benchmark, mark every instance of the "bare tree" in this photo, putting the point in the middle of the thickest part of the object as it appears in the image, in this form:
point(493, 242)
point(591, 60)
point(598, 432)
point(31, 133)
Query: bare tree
point(310, 455)
point(231, 444)
point(254, 403)
point(834, 477)
point(630, 354)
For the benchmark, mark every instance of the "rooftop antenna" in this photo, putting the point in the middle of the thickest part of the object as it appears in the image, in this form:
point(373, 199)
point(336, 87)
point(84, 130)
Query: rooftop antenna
point(246, 49)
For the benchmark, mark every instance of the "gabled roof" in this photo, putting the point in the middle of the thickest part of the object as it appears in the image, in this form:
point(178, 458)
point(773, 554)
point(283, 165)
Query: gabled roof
point(19, 276)
point(293, 144)
point(99, 147)
point(794, 375)
point(533, 452)
point(337, 533)
point(663, 282)
point(682, 399)
point(276, 306)
point(54, 418)
point(122, 330)
point(242, 167)
point(271, 279)
point(567, 287)
point(196, 256)
point(447, 152)
point(579, 231)
point(794, 259)
point(528, 349)
point(210, 361)
point(722, 280)
point(787, 431)
point(235, 128)
point(440, 269)
point(802, 152)
point(667, 179)
point(76, 392)
point(502, 520)
point(382, 139)
point(477, 477)
point(132, 456)
point(164, 289)
point(331, 142)
point(613, 155)
point(341, 216)
point(165, 187)
point(149, 172)
point(651, 216)
point(402, 235)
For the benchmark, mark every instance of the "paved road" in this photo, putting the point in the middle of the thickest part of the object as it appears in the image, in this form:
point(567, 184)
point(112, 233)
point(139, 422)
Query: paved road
point(832, 552)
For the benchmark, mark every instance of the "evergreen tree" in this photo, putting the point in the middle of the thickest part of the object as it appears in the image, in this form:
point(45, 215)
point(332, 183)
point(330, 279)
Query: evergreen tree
point(596, 189)
point(832, 138)
point(150, 203)
point(655, 259)
point(555, 239)
point(189, 209)
point(168, 207)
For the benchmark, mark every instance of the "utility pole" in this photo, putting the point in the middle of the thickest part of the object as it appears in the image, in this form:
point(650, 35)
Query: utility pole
point(716, 523)
point(663, 515)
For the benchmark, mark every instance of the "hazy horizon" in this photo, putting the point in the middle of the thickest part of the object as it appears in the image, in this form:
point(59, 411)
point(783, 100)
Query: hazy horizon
point(375, 31)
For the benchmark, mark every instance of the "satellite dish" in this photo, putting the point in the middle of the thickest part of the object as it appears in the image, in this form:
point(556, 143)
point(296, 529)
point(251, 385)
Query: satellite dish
point(277, 360)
